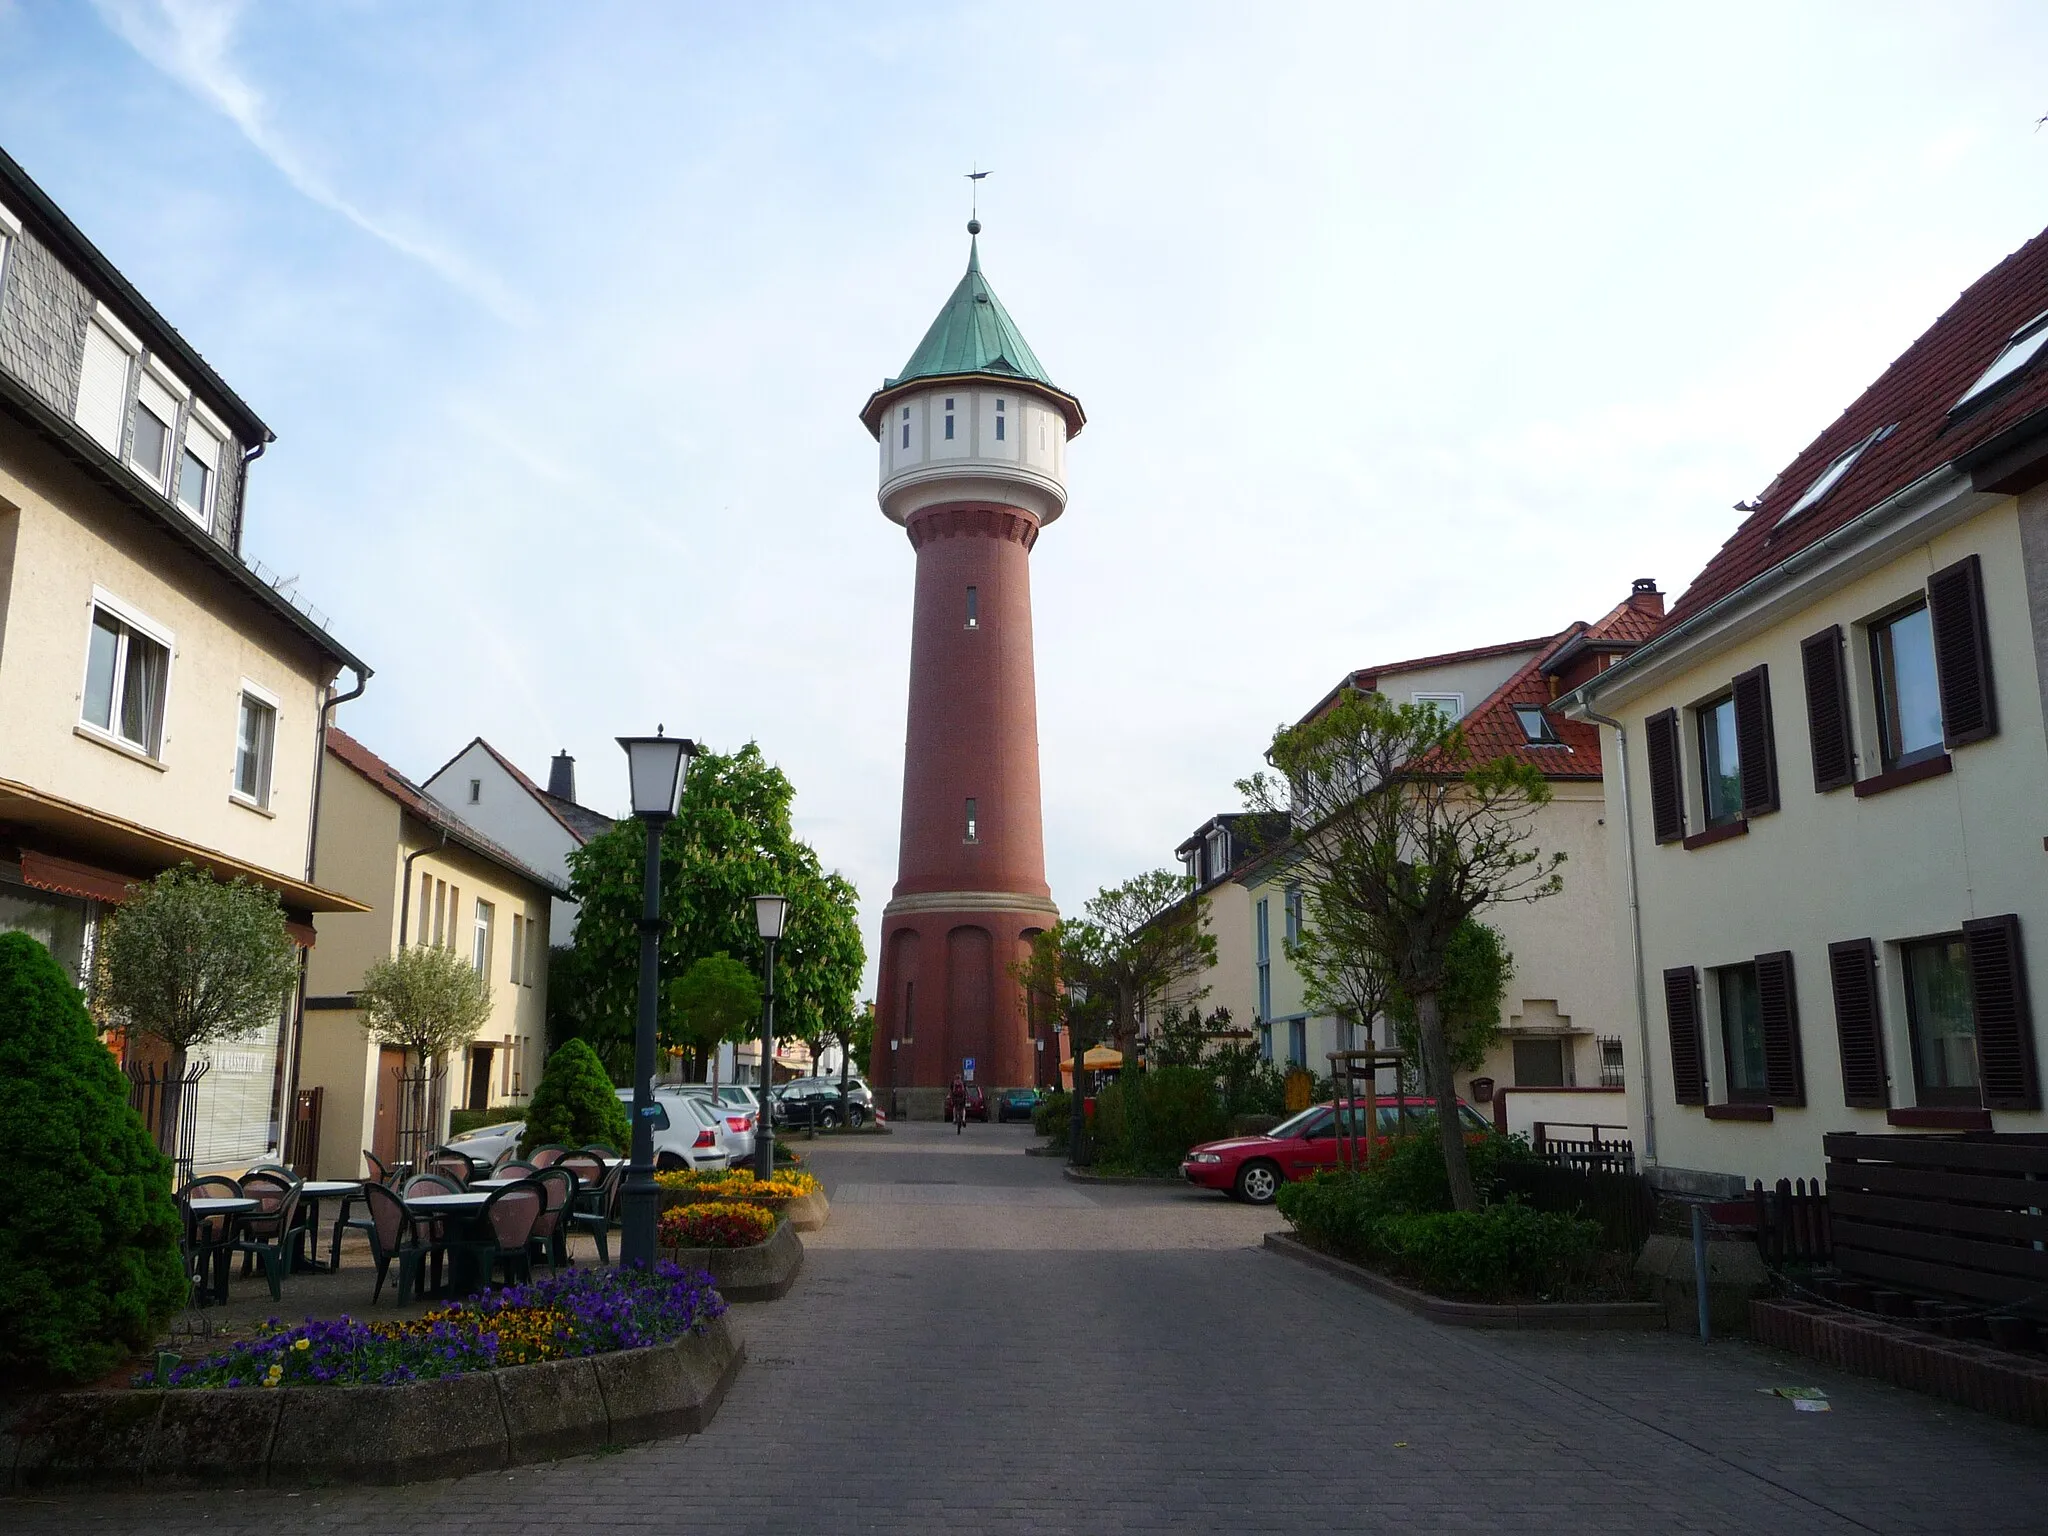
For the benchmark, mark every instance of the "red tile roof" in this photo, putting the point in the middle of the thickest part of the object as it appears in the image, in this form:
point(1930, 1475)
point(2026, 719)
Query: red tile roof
point(424, 807)
point(1913, 396)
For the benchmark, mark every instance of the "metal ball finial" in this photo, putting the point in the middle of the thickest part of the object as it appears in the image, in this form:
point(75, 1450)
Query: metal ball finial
point(974, 226)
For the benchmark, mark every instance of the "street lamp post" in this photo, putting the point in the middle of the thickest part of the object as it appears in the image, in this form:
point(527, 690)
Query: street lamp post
point(770, 912)
point(1077, 1123)
point(655, 766)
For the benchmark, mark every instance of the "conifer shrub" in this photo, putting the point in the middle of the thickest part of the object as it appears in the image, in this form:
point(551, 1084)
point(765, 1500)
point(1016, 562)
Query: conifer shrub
point(575, 1103)
point(89, 1263)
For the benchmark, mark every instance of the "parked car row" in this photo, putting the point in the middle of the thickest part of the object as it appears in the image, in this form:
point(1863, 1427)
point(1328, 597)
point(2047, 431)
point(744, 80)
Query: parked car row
point(706, 1125)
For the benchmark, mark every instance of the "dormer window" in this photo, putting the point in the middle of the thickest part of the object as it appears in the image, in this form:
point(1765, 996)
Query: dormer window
point(1191, 861)
point(1001, 421)
point(1219, 853)
point(949, 420)
point(1832, 476)
point(2022, 349)
point(1536, 727)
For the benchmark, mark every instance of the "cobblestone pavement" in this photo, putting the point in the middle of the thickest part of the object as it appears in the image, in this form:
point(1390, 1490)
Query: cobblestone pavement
point(978, 1345)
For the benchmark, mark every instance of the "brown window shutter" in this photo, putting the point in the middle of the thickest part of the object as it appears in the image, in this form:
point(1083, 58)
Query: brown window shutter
point(1962, 653)
point(1682, 1011)
point(1667, 808)
point(2005, 1025)
point(1756, 747)
point(1778, 1004)
point(1859, 1026)
point(1827, 710)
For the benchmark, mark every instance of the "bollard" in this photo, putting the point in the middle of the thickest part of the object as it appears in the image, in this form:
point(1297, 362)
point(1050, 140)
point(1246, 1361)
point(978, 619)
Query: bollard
point(1699, 1264)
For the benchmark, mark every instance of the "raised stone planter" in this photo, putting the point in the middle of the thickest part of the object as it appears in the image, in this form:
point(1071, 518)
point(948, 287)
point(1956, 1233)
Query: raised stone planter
point(807, 1213)
point(295, 1436)
point(1474, 1314)
point(760, 1273)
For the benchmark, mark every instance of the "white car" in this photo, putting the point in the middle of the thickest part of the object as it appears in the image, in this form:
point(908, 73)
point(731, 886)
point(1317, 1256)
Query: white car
point(688, 1127)
point(738, 1119)
point(487, 1143)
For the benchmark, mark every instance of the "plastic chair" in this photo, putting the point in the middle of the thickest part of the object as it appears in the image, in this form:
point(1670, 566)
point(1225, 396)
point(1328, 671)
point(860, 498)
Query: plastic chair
point(602, 1150)
point(506, 1226)
point(596, 1209)
point(550, 1238)
point(269, 1233)
point(515, 1168)
point(381, 1171)
point(548, 1156)
point(394, 1234)
point(588, 1168)
point(451, 1164)
point(207, 1239)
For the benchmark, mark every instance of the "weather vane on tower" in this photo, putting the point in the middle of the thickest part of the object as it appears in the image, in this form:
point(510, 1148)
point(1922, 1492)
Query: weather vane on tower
point(975, 179)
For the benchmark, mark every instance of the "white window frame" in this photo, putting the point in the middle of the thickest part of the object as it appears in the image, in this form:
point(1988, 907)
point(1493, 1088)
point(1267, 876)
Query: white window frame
point(1837, 470)
point(1456, 700)
point(166, 476)
point(199, 419)
point(518, 946)
point(131, 344)
point(135, 619)
point(10, 236)
point(483, 934)
point(251, 689)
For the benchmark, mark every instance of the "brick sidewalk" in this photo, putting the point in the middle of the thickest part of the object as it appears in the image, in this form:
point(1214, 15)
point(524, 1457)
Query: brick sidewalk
point(1038, 1357)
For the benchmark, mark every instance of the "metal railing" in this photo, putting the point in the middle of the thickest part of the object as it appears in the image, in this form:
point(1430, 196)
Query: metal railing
point(168, 1103)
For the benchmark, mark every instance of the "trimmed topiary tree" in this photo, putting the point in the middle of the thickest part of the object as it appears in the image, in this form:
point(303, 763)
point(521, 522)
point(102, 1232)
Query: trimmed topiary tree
point(89, 1266)
point(575, 1103)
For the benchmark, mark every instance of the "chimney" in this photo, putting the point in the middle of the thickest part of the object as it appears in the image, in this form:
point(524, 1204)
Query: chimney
point(562, 771)
point(1645, 598)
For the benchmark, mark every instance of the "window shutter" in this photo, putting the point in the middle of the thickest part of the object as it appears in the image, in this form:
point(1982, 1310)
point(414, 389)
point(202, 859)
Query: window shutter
point(1660, 744)
point(1756, 747)
point(1962, 653)
point(1682, 1011)
point(103, 387)
point(1859, 1028)
point(1827, 710)
point(1778, 1004)
point(2005, 1025)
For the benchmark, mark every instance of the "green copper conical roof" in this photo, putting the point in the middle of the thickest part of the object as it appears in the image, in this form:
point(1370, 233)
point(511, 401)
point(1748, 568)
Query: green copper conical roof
point(973, 334)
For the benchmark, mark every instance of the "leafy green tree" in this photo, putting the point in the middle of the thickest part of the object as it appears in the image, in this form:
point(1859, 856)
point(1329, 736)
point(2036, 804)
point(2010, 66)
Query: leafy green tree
point(1401, 836)
point(89, 1266)
point(717, 999)
point(731, 840)
point(1131, 943)
point(1476, 967)
point(426, 1000)
point(190, 961)
point(575, 1104)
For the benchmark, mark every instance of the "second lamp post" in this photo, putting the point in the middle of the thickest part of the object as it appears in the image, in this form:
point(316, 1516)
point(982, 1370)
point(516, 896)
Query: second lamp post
point(770, 912)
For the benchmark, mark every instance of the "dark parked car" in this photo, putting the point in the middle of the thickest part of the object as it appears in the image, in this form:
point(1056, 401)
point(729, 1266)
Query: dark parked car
point(817, 1100)
point(1016, 1104)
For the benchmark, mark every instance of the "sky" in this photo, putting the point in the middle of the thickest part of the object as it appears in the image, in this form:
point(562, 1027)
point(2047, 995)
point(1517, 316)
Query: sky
point(1400, 329)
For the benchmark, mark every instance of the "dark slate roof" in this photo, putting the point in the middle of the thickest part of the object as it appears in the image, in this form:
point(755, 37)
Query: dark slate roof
point(1913, 397)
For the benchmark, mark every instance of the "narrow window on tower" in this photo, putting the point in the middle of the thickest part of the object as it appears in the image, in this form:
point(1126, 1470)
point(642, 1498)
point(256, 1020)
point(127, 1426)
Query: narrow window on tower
point(973, 608)
point(973, 824)
point(1001, 422)
point(949, 420)
point(906, 426)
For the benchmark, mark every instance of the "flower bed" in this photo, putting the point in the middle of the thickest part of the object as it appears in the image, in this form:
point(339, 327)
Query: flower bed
point(717, 1224)
point(740, 1184)
point(575, 1313)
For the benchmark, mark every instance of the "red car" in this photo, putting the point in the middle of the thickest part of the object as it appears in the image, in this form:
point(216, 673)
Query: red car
point(977, 1103)
point(1254, 1167)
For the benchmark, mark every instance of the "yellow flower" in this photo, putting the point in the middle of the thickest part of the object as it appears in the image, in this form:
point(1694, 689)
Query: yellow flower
point(302, 1344)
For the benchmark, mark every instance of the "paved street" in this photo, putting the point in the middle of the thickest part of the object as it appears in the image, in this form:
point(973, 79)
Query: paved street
point(978, 1345)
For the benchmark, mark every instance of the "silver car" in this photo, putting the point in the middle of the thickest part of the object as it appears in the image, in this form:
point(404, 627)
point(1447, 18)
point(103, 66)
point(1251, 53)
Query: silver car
point(737, 1119)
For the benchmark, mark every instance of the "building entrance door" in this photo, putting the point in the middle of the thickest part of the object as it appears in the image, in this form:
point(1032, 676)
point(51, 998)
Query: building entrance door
point(390, 1085)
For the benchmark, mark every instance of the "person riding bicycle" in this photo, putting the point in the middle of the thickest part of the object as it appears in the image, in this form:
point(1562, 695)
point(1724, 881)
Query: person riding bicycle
point(956, 1105)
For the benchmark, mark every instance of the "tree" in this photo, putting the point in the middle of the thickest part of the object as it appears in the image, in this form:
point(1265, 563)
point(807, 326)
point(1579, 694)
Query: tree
point(717, 999)
point(574, 1103)
point(1476, 968)
point(190, 961)
point(731, 839)
point(1342, 968)
point(1401, 837)
point(89, 1265)
point(426, 1000)
point(1131, 942)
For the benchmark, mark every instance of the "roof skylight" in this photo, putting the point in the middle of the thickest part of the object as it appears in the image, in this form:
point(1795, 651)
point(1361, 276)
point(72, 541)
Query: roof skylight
point(1831, 476)
point(2025, 345)
point(1536, 726)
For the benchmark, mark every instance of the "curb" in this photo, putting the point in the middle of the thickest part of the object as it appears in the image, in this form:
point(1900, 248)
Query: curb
point(1080, 1176)
point(312, 1436)
point(764, 1272)
point(1473, 1314)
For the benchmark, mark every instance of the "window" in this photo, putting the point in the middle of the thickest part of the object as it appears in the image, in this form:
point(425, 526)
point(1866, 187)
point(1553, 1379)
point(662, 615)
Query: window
point(1002, 422)
point(10, 231)
point(1539, 1063)
point(1720, 762)
point(127, 673)
point(1536, 726)
point(1191, 861)
point(1908, 691)
point(906, 426)
point(476, 791)
point(480, 941)
point(949, 420)
point(1262, 945)
point(1291, 915)
point(533, 965)
point(973, 608)
point(103, 380)
point(1742, 1033)
point(197, 471)
point(1942, 1022)
point(425, 924)
point(973, 823)
point(149, 441)
point(1612, 1073)
point(1297, 1042)
point(1265, 1041)
point(1219, 854)
point(1830, 477)
point(518, 944)
point(1450, 705)
point(254, 742)
point(2021, 350)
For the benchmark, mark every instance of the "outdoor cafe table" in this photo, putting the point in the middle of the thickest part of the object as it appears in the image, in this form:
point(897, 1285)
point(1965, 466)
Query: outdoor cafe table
point(306, 1246)
point(196, 1210)
point(461, 1210)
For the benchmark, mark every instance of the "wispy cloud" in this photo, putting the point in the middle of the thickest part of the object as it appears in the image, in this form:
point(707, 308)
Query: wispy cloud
point(192, 41)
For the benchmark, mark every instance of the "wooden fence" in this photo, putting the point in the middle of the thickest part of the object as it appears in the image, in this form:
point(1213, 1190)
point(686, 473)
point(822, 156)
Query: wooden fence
point(1623, 1203)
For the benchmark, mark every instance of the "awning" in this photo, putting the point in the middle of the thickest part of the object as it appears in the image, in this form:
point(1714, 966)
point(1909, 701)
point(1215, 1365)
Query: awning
point(1097, 1058)
point(124, 852)
point(67, 877)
